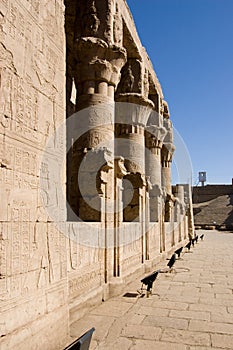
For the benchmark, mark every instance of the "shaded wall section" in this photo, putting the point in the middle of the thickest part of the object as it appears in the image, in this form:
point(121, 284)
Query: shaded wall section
point(213, 206)
point(209, 192)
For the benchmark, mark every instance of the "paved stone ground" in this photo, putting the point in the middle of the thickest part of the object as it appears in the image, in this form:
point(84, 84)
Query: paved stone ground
point(191, 309)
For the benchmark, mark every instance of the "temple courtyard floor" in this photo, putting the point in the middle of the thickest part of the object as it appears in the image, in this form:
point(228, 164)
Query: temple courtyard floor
point(191, 308)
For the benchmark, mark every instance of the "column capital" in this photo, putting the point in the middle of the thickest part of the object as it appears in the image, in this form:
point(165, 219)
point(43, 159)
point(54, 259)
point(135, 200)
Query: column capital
point(133, 109)
point(97, 62)
point(154, 136)
point(167, 153)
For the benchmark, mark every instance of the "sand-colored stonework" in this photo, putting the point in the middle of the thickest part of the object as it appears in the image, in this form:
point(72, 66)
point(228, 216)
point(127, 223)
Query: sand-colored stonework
point(111, 159)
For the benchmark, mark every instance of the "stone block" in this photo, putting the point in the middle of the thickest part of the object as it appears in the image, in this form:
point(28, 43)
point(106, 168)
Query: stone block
point(222, 341)
point(169, 322)
point(211, 327)
point(191, 315)
point(186, 337)
point(141, 332)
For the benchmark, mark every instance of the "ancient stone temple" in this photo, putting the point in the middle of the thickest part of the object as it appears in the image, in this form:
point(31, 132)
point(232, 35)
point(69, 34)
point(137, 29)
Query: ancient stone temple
point(86, 145)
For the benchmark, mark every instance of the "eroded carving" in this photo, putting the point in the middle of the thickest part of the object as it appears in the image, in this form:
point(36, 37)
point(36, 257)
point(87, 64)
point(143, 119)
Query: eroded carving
point(91, 22)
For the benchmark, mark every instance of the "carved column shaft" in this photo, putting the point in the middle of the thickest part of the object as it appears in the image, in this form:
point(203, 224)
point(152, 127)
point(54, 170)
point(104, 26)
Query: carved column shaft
point(132, 113)
point(166, 176)
point(130, 145)
point(98, 59)
point(153, 165)
point(154, 138)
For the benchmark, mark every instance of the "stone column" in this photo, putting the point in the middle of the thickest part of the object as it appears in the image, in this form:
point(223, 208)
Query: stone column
point(166, 168)
point(96, 60)
point(166, 159)
point(132, 113)
point(189, 209)
point(120, 172)
point(178, 192)
point(96, 79)
point(154, 138)
point(97, 73)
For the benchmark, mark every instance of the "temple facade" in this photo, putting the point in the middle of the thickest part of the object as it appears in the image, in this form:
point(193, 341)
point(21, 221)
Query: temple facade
point(86, 145)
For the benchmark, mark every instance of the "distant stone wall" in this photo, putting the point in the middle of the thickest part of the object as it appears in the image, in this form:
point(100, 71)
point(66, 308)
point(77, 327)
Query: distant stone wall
point(206, 193)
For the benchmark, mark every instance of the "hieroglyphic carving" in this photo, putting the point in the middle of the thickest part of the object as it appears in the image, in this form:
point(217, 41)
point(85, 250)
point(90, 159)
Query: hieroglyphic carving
point(21, 24)
point(25, 236)
point(31, 110)
point(16, 241)
point(4, 242)
point(84, 283)
point(5, 97)
point(62, 254)
point(8, 177)
point(12, 20)
point(19, 110)
point(9, 155)
point(35, 4)
point(72, 248)
point(18, 159)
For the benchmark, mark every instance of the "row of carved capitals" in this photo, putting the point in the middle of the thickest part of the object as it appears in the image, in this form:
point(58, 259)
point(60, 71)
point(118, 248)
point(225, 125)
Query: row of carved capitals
point(172, 200)
point(154, 136)
point(98, 61)
point(102, 160)
point(100, 32)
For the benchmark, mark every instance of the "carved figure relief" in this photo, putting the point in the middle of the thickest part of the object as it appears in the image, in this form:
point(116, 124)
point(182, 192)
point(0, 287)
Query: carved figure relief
point(91, 22)
point(131, 77)
point(127, 81)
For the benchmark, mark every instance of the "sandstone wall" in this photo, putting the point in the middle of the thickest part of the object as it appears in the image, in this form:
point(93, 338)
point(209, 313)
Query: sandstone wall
point(33, 280)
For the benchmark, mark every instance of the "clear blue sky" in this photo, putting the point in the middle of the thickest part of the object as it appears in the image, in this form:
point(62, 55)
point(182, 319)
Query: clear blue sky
point(190, 43)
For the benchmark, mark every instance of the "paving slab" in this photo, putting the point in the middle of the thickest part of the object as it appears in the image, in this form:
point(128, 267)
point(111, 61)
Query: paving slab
point(191, 308)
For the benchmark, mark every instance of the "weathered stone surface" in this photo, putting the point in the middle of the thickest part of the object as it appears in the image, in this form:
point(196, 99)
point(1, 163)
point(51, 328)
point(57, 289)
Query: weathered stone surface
point(186, 337)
